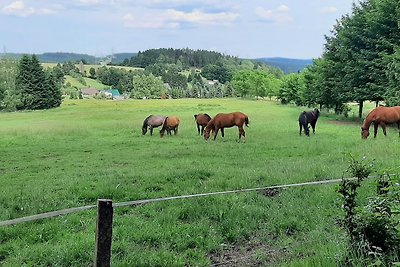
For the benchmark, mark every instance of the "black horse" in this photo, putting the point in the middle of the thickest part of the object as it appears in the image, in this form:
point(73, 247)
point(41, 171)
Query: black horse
point(306, 118)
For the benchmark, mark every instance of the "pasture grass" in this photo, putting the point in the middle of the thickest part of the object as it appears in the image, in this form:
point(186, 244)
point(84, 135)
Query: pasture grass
point(90, 149)
point(88, 83)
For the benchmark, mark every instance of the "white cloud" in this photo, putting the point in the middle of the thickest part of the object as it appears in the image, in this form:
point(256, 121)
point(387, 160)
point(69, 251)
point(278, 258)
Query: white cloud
point(329, 10)
point(174, 19)
point(18, 8)
point(280, 15)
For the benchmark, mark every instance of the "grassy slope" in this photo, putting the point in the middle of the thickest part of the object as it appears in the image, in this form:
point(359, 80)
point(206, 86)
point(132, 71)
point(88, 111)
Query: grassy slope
point(91, 149)
point(89, 83)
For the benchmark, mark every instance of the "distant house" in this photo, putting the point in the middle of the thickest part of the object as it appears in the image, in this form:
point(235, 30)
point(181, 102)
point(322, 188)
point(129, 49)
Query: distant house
point(112, 94)
point(89, 92)
point(213, 82)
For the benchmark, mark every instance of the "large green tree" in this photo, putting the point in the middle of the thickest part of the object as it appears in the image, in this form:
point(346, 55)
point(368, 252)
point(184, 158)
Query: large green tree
point(360, 51)
point(36, 88)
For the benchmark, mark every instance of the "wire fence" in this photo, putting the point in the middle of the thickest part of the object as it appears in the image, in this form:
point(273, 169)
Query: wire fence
point(147, 201)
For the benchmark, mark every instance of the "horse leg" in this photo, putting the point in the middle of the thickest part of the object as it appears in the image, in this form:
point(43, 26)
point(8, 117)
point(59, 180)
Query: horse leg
point(306, 129)
point(242, 132)
point(301, 126)
point(383, 125)
point(398, 128)
point(376, 125)
point(198, 129)
point(313, 127)
point(222, 133)
point(176, 130)
point(216, 132)
point(151, 130)
point(202, 130)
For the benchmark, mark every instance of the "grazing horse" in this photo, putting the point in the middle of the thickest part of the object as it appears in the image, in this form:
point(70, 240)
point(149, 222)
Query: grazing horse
point(381, 116)
point(202, 120)
point(170, 124)
point(152, 122)
point(224, 120)
point(306, 118)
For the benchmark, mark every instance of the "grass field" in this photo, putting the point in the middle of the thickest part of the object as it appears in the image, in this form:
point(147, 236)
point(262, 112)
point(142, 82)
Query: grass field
point(89, 83)
point(90, 149)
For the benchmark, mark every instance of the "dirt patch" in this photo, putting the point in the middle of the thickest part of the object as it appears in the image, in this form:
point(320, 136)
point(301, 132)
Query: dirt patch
point(272, 192)
point(253, 253)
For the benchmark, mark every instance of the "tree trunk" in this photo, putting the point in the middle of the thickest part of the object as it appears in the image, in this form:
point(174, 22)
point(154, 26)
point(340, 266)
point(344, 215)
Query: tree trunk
point(360, 108)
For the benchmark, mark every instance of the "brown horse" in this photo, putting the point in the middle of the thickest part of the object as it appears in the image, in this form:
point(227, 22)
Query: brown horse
point(201, 120)
point(170, 124)
point(223, 120)
point(381, 116)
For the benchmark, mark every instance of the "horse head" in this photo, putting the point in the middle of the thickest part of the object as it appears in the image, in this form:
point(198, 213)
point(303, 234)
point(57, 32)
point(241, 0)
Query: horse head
point(209, 128)
point(364, 133)
point(144, 130)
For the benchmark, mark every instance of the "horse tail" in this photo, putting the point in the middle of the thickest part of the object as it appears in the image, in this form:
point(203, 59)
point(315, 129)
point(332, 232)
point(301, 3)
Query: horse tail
point(195, 117)
point(246, 121)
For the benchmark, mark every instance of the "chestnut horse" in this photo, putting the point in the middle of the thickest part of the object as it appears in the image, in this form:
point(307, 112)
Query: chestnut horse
point(170, 124)
point(202, 120)
point(306, 118)
point(224, 120)
point(152, 122)
point(381, 116)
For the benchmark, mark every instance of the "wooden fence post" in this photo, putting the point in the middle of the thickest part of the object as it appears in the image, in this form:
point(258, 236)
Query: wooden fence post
point(103, 233)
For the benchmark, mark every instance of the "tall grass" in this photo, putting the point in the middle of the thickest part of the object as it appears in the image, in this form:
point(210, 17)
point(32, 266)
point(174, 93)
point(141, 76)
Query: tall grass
point(89, 149)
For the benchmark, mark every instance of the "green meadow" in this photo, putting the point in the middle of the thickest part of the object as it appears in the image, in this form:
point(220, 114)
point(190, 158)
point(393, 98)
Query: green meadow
point(90, 149)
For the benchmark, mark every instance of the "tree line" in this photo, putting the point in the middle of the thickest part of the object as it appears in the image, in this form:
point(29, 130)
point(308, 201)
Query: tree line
point(360, 62)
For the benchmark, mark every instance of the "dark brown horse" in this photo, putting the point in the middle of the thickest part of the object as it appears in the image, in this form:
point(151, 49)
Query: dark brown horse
point(381, 116)
point(152, 122)
point(201, 120)
point(170, 124)
point(224, 120)
point(306, 118)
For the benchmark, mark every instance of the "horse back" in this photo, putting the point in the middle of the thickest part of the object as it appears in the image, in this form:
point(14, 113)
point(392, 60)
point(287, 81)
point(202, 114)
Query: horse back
point(171, 122)
point(202, 119)
point(385, 114)
point(230, 119)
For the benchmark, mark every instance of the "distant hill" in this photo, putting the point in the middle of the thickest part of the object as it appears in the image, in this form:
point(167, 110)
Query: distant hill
point(120, 57)
point(61, 57)
point(287, 65)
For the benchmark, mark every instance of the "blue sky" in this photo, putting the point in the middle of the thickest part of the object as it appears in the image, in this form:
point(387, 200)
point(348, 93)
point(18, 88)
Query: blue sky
point(243, 28)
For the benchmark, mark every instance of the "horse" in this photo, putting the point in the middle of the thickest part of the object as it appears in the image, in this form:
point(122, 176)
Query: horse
point(226, 120)
point(152, 122)
point(306, 118)
point(381, 116)
point(201, 120)
point(170, 124)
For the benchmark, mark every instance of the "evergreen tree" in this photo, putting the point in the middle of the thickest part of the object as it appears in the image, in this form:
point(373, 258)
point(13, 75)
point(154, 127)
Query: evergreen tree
point(35, 88)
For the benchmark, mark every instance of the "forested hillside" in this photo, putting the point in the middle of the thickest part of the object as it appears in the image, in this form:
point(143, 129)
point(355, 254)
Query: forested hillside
point(287, 65)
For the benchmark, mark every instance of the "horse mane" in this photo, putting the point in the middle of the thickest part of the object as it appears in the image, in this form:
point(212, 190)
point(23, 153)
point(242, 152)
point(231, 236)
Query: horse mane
point(210, 125)
point(145, 121)
point(208, 116)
